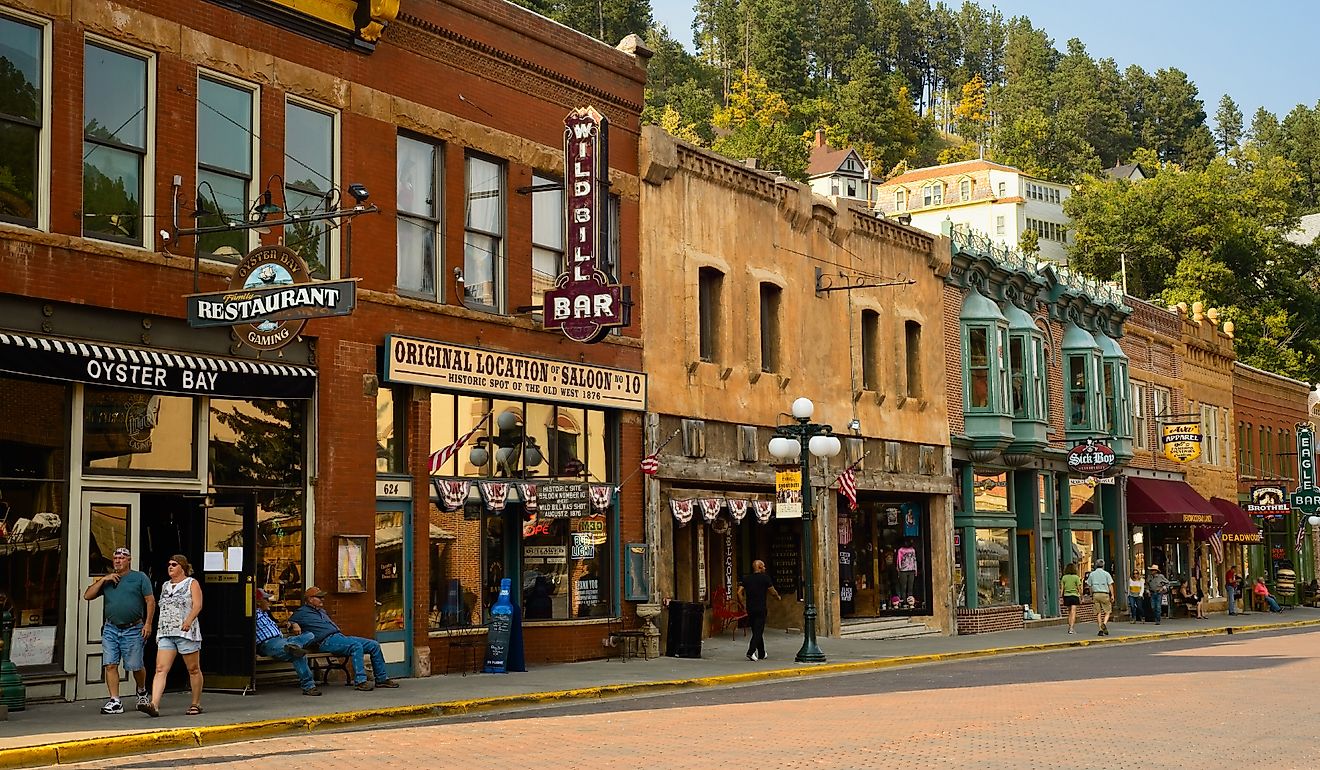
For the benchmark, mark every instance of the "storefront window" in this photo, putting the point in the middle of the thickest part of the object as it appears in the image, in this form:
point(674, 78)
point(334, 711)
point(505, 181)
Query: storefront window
point(279, 551)
point(978, 367)
point(34, 429)
point(390, 565)
point(134, 432)
point(959, 569)
point(391, 428)
point(991, 492)
point(994, 567)
point(1083, 551)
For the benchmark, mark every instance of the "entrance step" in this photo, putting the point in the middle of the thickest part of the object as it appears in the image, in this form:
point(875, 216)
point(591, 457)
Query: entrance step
point(885, 628)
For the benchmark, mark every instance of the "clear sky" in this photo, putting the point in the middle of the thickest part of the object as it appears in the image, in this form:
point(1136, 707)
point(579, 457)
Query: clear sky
point(1262, 53)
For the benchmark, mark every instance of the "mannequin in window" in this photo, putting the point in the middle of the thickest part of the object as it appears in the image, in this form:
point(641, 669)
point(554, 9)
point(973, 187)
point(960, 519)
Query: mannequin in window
point(907, 572)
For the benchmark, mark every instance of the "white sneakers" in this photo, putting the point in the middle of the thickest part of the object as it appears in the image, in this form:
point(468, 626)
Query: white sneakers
point(112, 706)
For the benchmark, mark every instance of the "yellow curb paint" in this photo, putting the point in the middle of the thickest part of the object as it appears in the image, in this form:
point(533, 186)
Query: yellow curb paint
point(84, 750)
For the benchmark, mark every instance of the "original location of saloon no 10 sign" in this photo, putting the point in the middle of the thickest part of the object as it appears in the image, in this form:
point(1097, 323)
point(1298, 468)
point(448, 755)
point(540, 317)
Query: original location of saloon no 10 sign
point(585, 303)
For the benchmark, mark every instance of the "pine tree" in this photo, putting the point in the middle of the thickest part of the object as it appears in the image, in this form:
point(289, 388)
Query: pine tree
point(1228, 125)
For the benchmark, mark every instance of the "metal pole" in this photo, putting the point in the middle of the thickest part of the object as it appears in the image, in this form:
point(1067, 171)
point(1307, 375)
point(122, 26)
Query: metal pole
point(810, 652)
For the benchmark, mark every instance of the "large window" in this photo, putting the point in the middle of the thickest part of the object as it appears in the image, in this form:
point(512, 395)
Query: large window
point(419, 171)
point(1140, 424)
point(483, 244)
point(978, 367)
point(548, 235)
point(932, 194)
point(994, 567)
point(225, 133)
point(1079, 387)
point(710, 287)
point(34, 429)
point(115, 121)
point(1209, 434)
point(1019, 376)
point(870, 350)
point(391, 430)
point(22, 111)
point(771, 299)
point(309, 175)
point(134, 432)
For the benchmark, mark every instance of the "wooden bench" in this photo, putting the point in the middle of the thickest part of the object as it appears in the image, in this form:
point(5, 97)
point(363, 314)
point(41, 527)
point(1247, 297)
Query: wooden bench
point(322, 665)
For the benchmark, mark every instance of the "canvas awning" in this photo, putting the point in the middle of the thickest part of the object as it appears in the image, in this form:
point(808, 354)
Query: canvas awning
point(1238, 527)
point(1169, 501)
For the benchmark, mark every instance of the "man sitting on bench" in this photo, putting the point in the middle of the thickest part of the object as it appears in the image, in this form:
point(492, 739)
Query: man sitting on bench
point(326, 637)
point(273, 644)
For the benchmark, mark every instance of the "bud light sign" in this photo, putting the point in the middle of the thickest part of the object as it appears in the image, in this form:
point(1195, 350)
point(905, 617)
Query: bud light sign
point(585, 303)
point(1090, 459)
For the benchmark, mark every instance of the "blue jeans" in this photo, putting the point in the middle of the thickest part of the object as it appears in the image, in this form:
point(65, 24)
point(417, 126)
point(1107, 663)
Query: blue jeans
point(353, 647)
point(1155, 600)
point(1134, 607)
point(1274, 606)
point(1232, 599)
point(274, 648)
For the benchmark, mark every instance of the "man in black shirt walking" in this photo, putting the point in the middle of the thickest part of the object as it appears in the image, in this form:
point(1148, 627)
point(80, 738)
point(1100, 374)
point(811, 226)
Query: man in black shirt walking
point(752, 594)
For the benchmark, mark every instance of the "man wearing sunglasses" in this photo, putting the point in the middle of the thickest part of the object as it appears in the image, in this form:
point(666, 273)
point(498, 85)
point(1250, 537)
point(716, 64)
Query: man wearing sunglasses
point(326, 637)
point(129, 608)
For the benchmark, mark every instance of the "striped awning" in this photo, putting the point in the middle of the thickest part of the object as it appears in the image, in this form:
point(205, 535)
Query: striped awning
point(156, 371)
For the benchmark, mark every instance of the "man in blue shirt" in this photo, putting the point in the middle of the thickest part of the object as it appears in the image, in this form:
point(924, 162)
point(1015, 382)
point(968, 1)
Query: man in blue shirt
point(273, 644)
point(326, 637)
point(129, 608)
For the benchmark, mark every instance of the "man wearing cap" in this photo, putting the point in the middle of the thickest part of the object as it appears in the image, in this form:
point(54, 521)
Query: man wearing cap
point(273, 644)
point(1101, 584)
point(326, 637)
point(129, 607)
point(1157, 586)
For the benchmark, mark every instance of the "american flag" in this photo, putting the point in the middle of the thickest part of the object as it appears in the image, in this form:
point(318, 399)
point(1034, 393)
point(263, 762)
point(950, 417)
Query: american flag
point(848, 486)
point(650, 465)
point(1217, 545)
point(445, 454)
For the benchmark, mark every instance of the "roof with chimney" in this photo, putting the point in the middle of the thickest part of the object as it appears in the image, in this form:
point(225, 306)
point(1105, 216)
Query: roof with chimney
point(826, 160)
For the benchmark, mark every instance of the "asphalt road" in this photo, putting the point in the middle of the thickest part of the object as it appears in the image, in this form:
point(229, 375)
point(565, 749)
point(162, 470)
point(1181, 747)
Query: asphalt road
point(1244, 701)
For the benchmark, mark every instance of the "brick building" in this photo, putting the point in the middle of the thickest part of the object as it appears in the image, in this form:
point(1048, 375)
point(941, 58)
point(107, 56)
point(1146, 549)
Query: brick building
point(309, 464)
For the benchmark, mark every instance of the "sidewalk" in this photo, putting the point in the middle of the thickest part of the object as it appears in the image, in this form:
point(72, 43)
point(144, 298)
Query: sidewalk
point(54, 733)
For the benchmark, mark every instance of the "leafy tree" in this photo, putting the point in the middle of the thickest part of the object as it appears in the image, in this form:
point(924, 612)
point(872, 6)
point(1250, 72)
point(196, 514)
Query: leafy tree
point(681, 91)
point(607, 20)
point(874, 114)
point(1300, 143)
point(1228, 125)
point(755, 124)
point(972, 116)
point(1029, 243)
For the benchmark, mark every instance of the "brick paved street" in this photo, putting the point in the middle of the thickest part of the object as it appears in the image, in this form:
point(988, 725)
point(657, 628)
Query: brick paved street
point(1216, 702)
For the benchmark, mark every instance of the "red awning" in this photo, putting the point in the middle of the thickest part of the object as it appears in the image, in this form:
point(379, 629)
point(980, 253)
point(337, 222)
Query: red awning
point(1239, 528)
point(1163, 501)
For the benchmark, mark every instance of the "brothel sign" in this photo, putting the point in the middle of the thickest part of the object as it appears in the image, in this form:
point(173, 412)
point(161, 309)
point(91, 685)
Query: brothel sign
point(585, 302)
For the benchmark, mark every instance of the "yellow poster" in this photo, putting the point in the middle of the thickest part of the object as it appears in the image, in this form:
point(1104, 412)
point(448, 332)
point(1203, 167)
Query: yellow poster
point(788, 494)
point(1181, 441)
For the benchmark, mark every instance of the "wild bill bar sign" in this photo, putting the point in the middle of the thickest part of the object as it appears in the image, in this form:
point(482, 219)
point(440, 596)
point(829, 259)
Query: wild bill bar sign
point(585, 303)
point(270, 297)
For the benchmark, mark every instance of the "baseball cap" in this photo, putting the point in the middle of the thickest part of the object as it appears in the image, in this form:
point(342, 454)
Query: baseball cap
point(260, 593)
point(312, 591)
point(122, 552)
point(1100, 563)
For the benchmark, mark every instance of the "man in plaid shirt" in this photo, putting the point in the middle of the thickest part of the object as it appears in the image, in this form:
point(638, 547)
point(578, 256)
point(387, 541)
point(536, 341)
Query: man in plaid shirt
point(273, 644)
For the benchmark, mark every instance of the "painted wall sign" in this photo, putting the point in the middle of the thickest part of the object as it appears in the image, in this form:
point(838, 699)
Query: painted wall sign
point(1181, 441)
point(270, 297)
point(586, 303)
point(560, 501)
point(434, 364)
point(1269, 500)
point(1307, 496)
point(1090, 458)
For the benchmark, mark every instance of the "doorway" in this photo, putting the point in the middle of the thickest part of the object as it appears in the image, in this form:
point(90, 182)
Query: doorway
point(394, 585)
point(109, 521)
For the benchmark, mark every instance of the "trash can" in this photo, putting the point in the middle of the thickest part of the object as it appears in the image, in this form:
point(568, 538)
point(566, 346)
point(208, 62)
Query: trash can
point(684, 634)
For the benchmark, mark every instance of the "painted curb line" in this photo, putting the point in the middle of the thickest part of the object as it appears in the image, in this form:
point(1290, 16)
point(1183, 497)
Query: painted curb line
point(91, 749)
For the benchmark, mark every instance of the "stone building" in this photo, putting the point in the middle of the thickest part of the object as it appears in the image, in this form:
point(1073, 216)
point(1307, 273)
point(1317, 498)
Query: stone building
point(272, 125)
point(768, 293)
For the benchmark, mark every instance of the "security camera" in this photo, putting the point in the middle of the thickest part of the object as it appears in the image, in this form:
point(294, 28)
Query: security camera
point(165, 236)
point(359, 193)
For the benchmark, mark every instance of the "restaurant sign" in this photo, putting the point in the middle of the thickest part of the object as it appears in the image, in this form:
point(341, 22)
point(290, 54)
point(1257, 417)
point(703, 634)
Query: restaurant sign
point(1091, 458)
point(1269, 500)
point(494, 373)
point(585, 302)
point(270, 297)
point(1181, 441)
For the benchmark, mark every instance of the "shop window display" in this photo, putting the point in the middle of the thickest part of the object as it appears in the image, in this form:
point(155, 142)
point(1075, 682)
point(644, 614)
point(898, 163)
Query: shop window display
point(884, 557)
point(994, 567)
point(34, 421)
point(131, 432)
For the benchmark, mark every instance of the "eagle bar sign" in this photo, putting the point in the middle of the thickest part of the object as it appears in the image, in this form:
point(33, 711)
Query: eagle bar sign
point(585, 303)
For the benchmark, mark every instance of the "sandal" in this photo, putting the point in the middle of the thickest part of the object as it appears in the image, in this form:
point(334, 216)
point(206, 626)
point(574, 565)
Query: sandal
point(193, 710)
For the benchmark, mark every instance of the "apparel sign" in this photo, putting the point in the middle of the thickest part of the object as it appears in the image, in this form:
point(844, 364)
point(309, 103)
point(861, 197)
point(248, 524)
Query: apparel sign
point(1181, 441)
point(1307, 497)
point(1269, 500)
point(788, 494)
point(1091, 458)
point(434, 364)
point(270, 297)
point(585, 303)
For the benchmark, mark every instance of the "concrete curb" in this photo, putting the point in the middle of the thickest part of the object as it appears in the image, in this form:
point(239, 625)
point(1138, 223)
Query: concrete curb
point(92, 749)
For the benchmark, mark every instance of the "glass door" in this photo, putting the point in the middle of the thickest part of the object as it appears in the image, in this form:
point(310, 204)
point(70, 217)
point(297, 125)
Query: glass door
point(227, 573)
point(394, 585)
point(109, 521)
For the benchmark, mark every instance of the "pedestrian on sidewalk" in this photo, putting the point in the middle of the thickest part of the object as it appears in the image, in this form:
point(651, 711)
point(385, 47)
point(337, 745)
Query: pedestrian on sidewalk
point(1230, 583)
point(273, 644)
point(1101, 584)
point(1263, 593)
point(129, 608)
point(1157, 586)
point(178, 634)
point(752, 593)
point(1136, 589)
point(1072, 594)
point(326, 637)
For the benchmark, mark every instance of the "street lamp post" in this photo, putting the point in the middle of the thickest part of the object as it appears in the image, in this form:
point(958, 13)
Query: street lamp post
point(797, 442)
